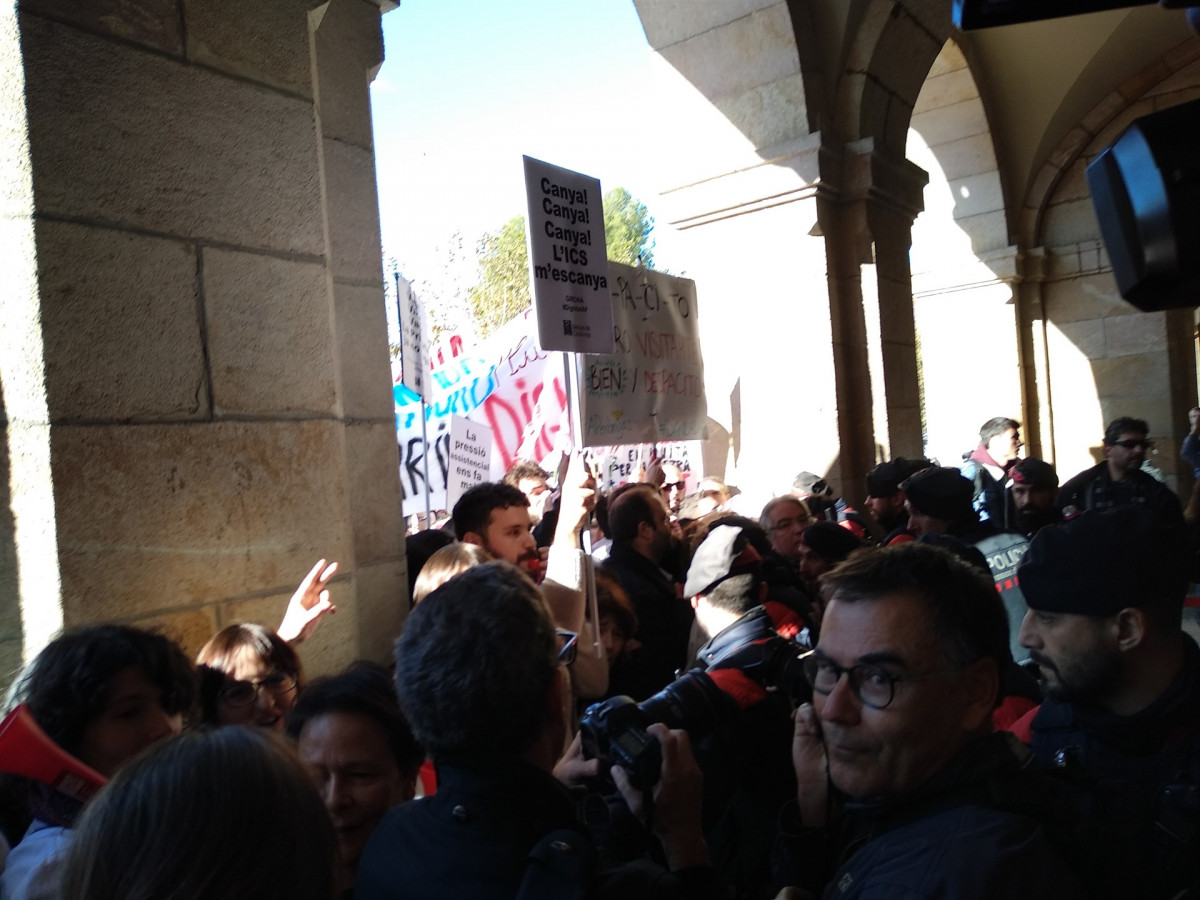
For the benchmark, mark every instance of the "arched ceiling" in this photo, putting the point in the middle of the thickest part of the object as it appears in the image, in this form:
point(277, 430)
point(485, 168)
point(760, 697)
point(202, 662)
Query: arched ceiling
point(1039, 79)
point(863, 63)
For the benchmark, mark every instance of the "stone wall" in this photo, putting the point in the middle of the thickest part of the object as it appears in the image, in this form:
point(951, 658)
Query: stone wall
point(196, 388)
point(1102, 357)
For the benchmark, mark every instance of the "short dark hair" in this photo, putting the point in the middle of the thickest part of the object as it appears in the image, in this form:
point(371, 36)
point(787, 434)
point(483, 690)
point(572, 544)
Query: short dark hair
point(998, 425)
point(629, 506)
point(474, 664)
point(364, 689)
point(524, 468)
point(230, 812)
point(966, 613)
point(1122, 424)
point(219, 657)
point(735, 594)
point(474, 508)
point(67, 685)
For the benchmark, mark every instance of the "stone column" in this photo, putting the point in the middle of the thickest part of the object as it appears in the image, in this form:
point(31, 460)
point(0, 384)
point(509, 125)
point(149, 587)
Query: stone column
point(194, 370)
point(866, 204)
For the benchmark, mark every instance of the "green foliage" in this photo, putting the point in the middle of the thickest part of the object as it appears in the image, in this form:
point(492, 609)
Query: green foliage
point(627, 227)
point(503, 287)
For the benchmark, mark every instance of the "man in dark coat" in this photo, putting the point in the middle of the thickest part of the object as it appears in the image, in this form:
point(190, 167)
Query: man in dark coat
point(903, 787)
point(1121, 718)
point(479, 669)
point(642, 540)
point(1119, 479)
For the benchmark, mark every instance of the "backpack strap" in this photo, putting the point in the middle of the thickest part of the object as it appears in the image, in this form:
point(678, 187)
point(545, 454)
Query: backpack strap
point(562, 866)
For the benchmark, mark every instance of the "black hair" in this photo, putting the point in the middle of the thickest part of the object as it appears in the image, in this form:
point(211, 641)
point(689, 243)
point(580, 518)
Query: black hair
point(474, 508)
point(628, 507)
point(993, 427)
point(1123, 424)
point(966, 613)
point(474, 665)
point(364, 689)
point(67, 685)
point(736, 594)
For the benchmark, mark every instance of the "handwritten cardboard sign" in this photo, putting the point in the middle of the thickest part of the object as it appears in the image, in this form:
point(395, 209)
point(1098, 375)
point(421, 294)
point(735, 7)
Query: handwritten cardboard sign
point(651, 387)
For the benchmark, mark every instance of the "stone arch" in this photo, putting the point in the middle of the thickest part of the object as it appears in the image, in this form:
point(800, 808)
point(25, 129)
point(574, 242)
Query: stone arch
point(1086, 344)
point(893, 48)
point(961, 261)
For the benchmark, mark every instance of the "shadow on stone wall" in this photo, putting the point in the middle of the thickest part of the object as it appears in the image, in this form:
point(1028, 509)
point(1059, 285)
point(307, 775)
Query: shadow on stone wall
point(12, 630)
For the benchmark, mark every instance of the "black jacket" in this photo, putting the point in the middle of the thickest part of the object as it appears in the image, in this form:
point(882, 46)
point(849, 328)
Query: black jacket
point(664, 625)
point(1136, 781)
point(983, 827)
point(472, 840)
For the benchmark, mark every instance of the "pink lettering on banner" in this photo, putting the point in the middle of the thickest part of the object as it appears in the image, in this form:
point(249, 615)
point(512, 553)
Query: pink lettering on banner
point(523, 415)
point(524, 426)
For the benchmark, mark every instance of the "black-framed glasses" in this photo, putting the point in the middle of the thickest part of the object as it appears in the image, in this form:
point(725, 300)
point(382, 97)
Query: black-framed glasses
point(673, 486)
point(568, 643)
point(1132, 444)
point(242, 693)
point(873, 685)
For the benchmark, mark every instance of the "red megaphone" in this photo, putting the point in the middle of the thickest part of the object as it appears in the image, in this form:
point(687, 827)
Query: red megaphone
point(27, 750)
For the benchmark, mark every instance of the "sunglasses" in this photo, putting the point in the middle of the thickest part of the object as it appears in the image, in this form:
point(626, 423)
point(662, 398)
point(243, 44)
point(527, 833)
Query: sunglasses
point(1132, 444)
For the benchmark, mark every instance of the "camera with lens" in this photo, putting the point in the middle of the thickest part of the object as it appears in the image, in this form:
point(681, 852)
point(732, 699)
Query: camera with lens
point(699, 702)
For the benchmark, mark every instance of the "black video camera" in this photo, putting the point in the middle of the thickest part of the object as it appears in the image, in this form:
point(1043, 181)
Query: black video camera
point(614, 730)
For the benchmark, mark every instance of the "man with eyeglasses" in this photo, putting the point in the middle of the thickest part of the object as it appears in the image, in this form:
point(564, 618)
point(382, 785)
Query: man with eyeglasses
point(1119, 479)
point(903, 789)
point(784, 519)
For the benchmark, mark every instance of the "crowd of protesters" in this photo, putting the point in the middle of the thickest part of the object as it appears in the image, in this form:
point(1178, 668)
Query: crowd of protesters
point(976, 685)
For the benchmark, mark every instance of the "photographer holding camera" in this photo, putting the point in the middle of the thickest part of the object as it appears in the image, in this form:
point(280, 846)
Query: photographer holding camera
point(735, 705)
point(480, 673)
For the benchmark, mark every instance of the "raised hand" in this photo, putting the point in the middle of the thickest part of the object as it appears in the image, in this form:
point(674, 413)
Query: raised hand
point(308, 604)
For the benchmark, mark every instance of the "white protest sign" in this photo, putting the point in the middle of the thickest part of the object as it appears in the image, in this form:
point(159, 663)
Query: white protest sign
point(412, 336)
point(650, 388)
point(470, 457)
point(412, 461)
point(619, 465)
point(568, 262)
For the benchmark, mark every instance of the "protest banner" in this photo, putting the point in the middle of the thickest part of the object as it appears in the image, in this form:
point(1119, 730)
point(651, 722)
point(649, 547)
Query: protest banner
point(525, 407)
point(568, 260)
point(651, 387)
point(621, 464)
point(412, 459)
point(470, 457)
point(413, 335)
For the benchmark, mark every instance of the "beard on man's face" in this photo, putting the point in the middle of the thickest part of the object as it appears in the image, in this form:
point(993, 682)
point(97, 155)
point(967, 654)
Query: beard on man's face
point(1088, 679)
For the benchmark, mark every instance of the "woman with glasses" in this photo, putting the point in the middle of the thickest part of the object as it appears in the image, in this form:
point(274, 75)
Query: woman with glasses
point(249, 675)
